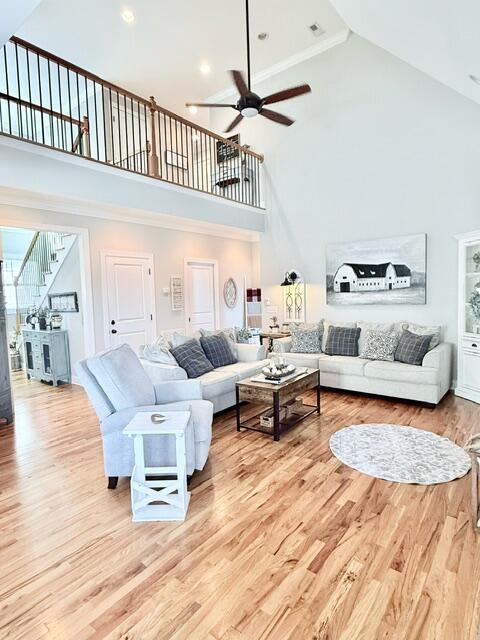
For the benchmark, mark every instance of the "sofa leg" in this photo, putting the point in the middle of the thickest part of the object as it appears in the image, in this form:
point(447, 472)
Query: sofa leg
point(112, 482)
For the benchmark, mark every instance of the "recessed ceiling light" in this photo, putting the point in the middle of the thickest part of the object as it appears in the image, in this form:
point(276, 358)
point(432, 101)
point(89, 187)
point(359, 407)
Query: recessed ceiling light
point(128, 16)
point(474, 78)
point(205, 68)
point(193, 109)
point(263, 35)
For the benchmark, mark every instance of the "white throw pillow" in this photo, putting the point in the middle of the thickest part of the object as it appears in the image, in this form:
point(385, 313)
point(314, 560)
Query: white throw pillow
point(159, 352)
point(179, 338)
point(327, 325)
point(380, 345)
point(424, 330)
point(371, 326)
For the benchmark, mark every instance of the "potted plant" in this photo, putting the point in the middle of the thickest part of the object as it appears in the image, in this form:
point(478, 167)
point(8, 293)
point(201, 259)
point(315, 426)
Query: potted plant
point(274, 325)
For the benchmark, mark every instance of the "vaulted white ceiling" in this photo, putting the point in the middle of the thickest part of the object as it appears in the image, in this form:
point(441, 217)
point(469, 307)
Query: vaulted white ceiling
point(439, 37)
point(160, 52)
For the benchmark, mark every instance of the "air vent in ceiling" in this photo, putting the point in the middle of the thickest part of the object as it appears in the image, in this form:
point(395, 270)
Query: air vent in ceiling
point(316, 29)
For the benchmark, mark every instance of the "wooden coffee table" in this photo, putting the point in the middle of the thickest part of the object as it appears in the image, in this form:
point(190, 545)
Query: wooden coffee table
point(277, 396)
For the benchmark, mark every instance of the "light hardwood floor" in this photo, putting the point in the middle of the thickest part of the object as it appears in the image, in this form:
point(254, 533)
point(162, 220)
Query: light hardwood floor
point(281, 542)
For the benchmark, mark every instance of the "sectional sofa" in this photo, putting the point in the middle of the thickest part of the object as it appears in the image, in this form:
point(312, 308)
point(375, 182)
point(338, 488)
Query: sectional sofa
point(426, 383)
point(218, 386)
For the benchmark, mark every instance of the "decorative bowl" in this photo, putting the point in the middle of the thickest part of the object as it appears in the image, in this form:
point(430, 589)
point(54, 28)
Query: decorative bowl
point(277, 372)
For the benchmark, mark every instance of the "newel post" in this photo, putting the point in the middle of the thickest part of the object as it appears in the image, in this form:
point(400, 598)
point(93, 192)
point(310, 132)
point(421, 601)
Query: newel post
point(152, 147)
point(86, 137)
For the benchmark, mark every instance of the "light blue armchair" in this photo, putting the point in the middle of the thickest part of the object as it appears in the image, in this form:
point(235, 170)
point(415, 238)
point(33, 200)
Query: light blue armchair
point(118, 388)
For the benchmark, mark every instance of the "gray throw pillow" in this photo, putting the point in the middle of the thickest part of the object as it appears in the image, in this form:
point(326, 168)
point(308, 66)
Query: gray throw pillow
point(217, 350)
point(191, 357)
point(380, 345)
point(229, 334)
point(306, 340)
point(342, 341)
point(411, 348)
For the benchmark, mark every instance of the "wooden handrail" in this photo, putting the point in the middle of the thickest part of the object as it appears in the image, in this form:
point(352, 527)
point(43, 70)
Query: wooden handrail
point(151, 104)
point(27, 256)
point(37, 107)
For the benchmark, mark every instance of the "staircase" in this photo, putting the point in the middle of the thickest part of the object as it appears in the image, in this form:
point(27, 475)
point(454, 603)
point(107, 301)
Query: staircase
point(44, 257)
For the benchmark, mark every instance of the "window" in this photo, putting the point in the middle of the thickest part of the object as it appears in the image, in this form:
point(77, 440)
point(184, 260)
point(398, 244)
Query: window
point(10, 270)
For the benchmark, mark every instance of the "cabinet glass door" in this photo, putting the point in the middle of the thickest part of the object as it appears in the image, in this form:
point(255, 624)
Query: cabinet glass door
point(47, 365)
point(472, 289)
point(29, 354)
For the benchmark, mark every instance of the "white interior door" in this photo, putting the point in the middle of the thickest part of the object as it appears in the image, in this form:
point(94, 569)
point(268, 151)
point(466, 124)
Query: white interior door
point(201, 295)
point(130, 300)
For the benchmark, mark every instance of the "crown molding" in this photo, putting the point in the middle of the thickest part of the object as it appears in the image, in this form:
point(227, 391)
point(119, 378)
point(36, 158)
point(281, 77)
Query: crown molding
point(44, 202)
point(275, 69)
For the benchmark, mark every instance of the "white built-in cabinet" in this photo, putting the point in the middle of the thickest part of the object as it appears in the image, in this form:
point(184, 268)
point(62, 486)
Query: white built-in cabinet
point(468, 383)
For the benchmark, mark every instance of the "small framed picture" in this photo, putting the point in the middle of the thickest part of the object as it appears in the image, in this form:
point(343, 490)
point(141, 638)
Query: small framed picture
point(175, 159)
point(63, 302)
point(226, 151)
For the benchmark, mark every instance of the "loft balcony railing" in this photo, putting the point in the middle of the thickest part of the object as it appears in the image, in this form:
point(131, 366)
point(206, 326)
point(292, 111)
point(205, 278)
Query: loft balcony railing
point(49, 101)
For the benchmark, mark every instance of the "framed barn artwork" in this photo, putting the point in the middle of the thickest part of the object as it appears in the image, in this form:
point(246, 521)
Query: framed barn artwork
point(383, 271)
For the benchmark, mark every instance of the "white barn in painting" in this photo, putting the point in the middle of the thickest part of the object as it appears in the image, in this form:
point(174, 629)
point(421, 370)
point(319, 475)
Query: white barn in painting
point(371, 277)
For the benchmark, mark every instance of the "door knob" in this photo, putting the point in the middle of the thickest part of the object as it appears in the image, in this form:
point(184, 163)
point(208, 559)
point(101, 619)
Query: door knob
point(114, 331)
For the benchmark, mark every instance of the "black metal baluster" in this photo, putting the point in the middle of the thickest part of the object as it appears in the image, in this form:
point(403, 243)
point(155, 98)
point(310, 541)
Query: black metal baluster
point(61, 106)
point(145, 124)
point(165, 137)
point(119, 132)
point(34, 129)
point(8, 91)
point(50, 97)
point(19, 109)
point(40, 98)
point(70, 109)
point(133, 138)
point(88, 144)
point(111, 124)
point(126, 131)
point(160, 145)
point(79, 118)
point(96, 118)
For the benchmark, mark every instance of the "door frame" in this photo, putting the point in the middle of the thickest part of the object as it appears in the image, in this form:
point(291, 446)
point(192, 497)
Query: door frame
point(112, 253)
point(216, 290)
point(83, 236)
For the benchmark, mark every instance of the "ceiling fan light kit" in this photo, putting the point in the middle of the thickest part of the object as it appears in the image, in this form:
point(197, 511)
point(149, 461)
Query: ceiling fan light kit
point(250, 104)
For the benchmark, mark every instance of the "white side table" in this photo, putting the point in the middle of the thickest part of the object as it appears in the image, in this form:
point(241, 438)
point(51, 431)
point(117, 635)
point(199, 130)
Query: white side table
point(146, 494)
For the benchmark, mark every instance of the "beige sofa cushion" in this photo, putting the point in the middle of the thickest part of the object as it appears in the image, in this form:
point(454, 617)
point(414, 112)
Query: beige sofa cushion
point(302, 359)
point(243, 370)
point(216, 383)
point(400, 372)
point(347, 365)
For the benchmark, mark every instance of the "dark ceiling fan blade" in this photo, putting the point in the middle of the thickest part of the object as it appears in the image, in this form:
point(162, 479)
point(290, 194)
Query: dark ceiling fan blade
point(276, 117)
point(286, 94)
point(208, 104)
point(240, 83)
point(233, 124)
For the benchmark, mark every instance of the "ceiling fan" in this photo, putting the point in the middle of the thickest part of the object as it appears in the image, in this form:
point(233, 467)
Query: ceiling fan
point(250, 104)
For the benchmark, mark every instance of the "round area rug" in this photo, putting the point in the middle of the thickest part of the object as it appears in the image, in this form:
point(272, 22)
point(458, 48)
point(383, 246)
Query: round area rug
point(401, 454)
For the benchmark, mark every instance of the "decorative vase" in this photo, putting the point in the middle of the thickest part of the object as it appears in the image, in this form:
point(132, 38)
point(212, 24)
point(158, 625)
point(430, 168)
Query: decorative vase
point(42, 323)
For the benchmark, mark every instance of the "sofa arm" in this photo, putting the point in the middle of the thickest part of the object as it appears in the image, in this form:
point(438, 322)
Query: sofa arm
point(282, 345)
point(177, 390)
point(250, 352)
point(439, 357)
point(158, 372)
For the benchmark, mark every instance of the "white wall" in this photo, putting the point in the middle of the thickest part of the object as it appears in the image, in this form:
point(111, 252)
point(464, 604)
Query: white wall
point(236, 258)
point(69, 279)
point(379, 149)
